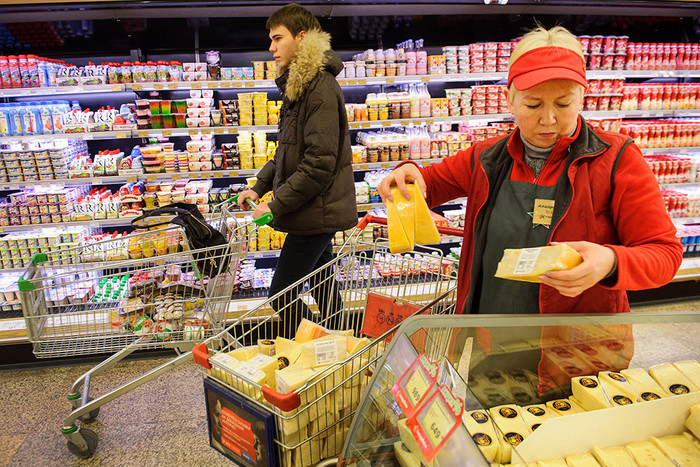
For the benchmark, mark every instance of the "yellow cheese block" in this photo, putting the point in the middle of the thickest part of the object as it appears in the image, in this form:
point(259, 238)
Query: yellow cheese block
point(671, 379)
point(288, 348)
point(222, 365)
point(562, 407)
point(693, 420)
point(323, 351)
point(690, 369)
point(244, 353)
point(400, 210)
point(266, 347)
point(308, 330)
point(251, 373)
point(426, 232)
point(534, 415)
point(405, 457)
point(528, 263)
point(582, 459)
point(589, 393)
point(679, 448)
point(615, 456)
point(480, 427)
point(617, 388)
point(267, 365)
point(512, 428)
point(647, 454)
point(308, 453)
point(410, 442)
point(292, 378)
point(556, 462)
point(643, 384)
point(355, 344)
point(334, 441)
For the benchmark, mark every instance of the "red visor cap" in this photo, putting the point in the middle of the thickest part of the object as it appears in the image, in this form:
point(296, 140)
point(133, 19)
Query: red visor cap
point(544, 64)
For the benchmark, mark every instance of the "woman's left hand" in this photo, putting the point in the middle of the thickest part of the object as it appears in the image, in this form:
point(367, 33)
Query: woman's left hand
point(598, 261)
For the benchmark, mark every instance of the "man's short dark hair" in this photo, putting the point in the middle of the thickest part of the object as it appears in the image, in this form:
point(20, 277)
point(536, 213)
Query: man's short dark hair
point(294, 17)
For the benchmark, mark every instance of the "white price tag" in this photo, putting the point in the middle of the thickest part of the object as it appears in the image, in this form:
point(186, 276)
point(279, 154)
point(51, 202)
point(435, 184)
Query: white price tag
point(222, 359)
point(326, 352)
point(526, 260)
point(248, 371)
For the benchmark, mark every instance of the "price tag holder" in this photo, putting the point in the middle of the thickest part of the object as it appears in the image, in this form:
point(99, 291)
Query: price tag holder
point(436, 420)
point(157, 86)
point(172, 85)
point(131, 179)
point(136, 87)
point(415, 385)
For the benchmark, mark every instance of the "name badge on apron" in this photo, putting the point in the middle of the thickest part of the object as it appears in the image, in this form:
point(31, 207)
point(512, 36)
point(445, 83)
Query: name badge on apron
point(542, 213)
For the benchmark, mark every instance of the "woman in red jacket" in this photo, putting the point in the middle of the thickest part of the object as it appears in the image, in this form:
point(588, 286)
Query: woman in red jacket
point(554, 179)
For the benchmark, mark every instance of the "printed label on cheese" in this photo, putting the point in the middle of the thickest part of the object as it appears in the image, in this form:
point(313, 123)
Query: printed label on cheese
point(526, 260)
point(260, 360)
point(222, 359)
point(326, 352)
point(479, 417)
point(482, 439)
point(250, 372)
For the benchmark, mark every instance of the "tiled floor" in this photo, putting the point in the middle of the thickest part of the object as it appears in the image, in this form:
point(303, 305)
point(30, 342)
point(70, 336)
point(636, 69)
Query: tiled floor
point(162, 423)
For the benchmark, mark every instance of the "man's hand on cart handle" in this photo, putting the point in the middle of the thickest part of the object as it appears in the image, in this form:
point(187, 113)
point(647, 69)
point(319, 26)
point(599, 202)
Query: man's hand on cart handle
point(246, 198)
point(399, 176)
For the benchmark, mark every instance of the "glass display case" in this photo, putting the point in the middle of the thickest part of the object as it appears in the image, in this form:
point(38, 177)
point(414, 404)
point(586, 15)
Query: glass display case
point(539, 367)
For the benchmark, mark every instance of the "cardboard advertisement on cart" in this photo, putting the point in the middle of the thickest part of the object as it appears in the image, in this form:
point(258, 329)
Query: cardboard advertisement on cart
point(616, 426)
point(238, 429)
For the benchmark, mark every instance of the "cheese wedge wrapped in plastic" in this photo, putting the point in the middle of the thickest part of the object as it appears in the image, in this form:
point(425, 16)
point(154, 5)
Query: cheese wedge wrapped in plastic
point(680, 448)
point(308, 330)
point(615, 456)
point(400, 241)
point(589, 393)
point(647, 454)
point(582, 459)
point(693, 420)
point(409, 221)
point(643, 384)
point(426, 232)
point(527, 263)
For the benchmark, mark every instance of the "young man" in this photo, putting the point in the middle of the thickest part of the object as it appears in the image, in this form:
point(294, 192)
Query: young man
point(311, 173)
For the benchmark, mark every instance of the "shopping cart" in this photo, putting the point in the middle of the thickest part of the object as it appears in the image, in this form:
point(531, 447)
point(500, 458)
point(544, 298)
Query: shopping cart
point(364, 290)
point(143, 291)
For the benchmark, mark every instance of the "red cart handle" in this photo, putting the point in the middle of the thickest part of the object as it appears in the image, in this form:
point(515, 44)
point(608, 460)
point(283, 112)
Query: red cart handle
point(286, 402)
point(200, 352)
point(370, 219)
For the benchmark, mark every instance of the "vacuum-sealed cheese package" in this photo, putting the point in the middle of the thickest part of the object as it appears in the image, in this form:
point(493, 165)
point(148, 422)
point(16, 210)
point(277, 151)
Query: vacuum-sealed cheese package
point(527, 263)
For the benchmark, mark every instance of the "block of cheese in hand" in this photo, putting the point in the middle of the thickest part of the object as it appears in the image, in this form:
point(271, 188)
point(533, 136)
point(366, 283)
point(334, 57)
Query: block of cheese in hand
point(672, 380)
point(690, 369)
point(534, 415)
point(528, 263)
point(679, 448)
point(483, 432)
point(693, 420)
point(643, 384)
point(589, 393)
point(400, 222)
point(582, 459)
point(426, 232)
point(647, 454)
point(616, 456)
point(618, 389)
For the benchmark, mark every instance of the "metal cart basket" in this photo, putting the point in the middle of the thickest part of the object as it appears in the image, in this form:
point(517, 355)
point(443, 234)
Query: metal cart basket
point(142, 291)
point(363, 283)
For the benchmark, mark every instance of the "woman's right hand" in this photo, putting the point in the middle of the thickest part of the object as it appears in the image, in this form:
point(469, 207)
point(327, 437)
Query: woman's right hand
point(246, 194)
point(399, 177)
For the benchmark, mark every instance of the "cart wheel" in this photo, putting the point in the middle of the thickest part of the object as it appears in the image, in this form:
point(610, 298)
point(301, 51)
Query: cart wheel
point(91, 440)
point(90, 416)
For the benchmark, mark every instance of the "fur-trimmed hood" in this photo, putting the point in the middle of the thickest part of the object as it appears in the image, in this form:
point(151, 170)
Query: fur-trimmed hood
point(314, 55)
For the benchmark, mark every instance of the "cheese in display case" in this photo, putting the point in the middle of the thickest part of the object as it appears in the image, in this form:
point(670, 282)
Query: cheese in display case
point(606, 416)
